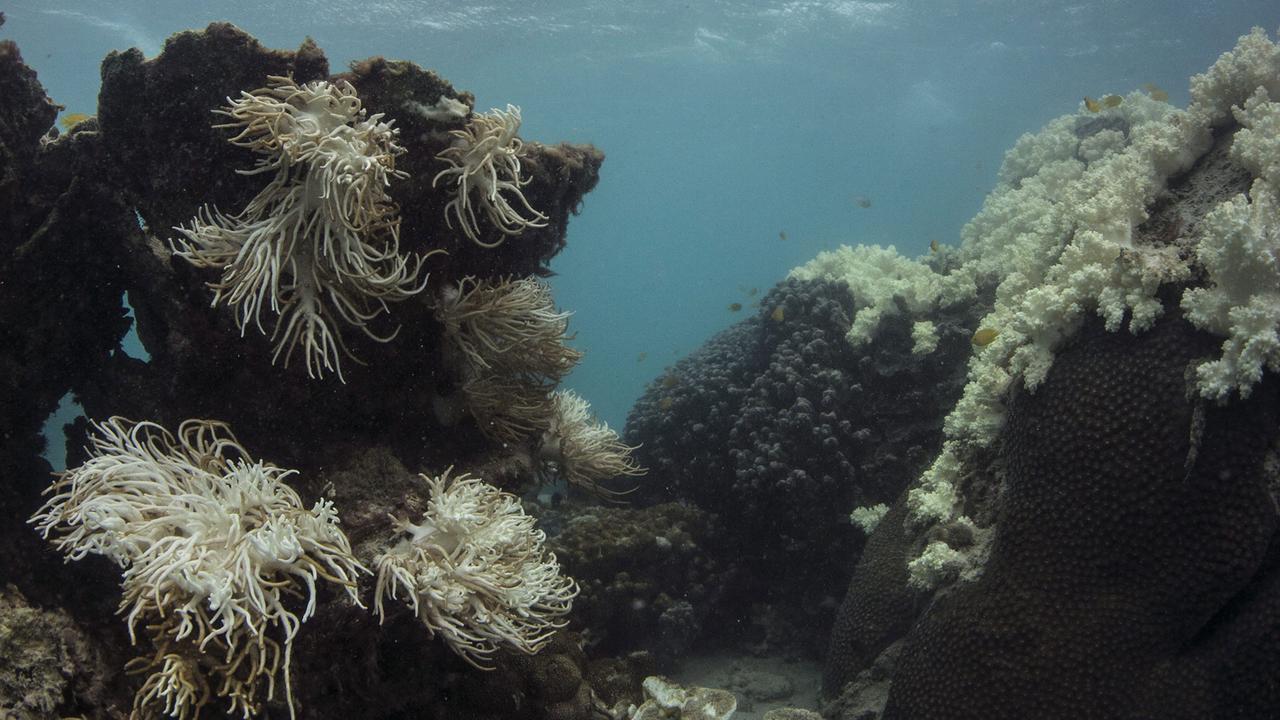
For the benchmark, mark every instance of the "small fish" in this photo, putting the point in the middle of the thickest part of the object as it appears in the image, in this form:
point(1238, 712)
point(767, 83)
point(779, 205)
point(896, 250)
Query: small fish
point(984, 336)
point(70, 120)
point(782, 234)
point(669, 381)
point(862, 201)
point(752, 292)
point(666, 403)
point(1092, 105)
point(776, 315)
point(1112, 101)
point(735, 307)
point(642, 356)
point(1156, 92)
point(934, 245)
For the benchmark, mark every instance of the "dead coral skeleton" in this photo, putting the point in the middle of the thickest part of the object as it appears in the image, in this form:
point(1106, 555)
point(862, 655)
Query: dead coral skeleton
point(320, 244)
point(586, 450)
point(509, 343)
point(211, 543)
point(475, 572)
point(484, 168)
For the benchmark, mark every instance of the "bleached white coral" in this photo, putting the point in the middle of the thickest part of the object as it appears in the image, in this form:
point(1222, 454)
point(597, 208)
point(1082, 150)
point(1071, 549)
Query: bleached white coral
point(1240, 249)
point(475, 571)
point(1240, 243)
point(934, 497)
point(938, 563)
point(586, 450)
point(1254, 62)
point(320, 244)
point(880, 280)
point(1256, 145)
point(868, 517)
point(211, 543)
point(1060, 245)
point(924, 337)
point(1031, 152)
point(484, 168)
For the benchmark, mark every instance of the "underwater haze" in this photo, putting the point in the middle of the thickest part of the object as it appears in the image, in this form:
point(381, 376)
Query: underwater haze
point(742, 138)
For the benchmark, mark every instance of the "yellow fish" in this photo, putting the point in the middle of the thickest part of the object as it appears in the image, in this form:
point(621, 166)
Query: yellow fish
point(782, 234)
point(1092, 105)
point(669, 381)
point(934, 245)
point(776, 314)
point(735, 307)
point(1155, 92)
point(984, 336)
point(70, 120)
point(642, 356)
point(752, 292)
point(1112, 100)
point(666, 403)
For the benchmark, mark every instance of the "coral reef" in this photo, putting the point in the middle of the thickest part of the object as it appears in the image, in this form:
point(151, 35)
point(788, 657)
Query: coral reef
point(651, 577)
point(1143, 568)
point(1103, 513)
point(783, 424)
point(88, 212)
point(1041, 466)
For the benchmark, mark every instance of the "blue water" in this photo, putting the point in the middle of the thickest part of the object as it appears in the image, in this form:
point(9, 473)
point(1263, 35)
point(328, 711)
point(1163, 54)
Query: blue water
point(725, 123)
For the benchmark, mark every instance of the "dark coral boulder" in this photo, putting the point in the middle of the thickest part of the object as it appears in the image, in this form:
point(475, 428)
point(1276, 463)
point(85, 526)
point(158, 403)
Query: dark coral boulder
point(1136, 567)
point(780, 427)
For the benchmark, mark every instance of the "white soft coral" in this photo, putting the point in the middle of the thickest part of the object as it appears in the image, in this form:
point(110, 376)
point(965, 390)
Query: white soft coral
point(475, 572)
point(211, 544)
point(484, 167)
point(1240, 249)
point(320, 244)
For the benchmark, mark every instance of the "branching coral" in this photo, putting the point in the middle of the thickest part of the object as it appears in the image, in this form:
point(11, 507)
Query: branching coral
point(882, 282)
point(320, 244)
point(586, 450)
point(484, 168)
point(509, 342)
point(211, 543)
point(1241, 252)
point(475, 572)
